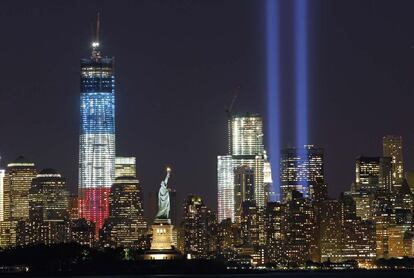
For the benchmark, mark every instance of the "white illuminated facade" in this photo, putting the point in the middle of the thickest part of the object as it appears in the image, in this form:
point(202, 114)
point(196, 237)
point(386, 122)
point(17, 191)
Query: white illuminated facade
point(246, 135)
point(125, 167)
point(225, 182)
point(245, 150)
point(2, 174)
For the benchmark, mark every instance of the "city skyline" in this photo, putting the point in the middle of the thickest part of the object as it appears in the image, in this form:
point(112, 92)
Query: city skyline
point(148, 121)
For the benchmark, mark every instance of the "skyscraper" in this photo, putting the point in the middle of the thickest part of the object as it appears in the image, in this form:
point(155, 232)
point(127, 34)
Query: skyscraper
point(393, 147)
point(97, 135)
point(199, 229)
point(17, 183)
point(245, 149)
point(125, 167)
point(125, 225)
point(243, 189)
point(373, 173)
point(2, 174)
point(302, 169)
point(225, 190)
point(48, 221)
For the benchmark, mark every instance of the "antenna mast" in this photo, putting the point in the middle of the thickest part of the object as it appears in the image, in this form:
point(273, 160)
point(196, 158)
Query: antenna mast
point(96, 54)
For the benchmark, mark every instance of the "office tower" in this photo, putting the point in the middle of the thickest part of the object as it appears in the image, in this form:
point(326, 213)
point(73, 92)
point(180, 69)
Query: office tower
point(358, 240)
point(48, 221)
point(300, 238)
point(125, 167)
point(97, 135)
point(393, 147)
point(82, 231)
point(302, 169)
point(252, 224)
point(245, 149)
point(17, 183)
point(2, 174)
point(373, 173)
point(225, 181)
point(243, 189)
point(199, 229)
point(125, 225)
point(228, 238)
point(330, 231)
point(275, 229)
point(246, 134)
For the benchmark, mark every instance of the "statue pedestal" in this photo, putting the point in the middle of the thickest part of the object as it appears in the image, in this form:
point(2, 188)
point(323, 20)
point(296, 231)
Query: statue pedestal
point(162, 242)
point(162, 235)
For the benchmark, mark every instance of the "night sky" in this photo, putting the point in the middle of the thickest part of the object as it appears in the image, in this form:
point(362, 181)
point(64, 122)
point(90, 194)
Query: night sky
point(177, 66)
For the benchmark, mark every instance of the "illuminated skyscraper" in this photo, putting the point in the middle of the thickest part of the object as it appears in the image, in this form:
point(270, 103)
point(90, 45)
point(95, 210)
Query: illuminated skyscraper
point(48, 221)
point(303, 170)
point(125, 225)
point(245, 149)
point(17, 183)
point(373, 173)
point(393, 147)
point(243, 189)
point(125, 167)
point(225, 182)
point(97, 135)
point(199, 229)
point(2, 174)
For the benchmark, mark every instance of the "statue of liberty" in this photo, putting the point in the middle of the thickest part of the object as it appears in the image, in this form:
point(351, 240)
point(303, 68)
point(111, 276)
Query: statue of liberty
point(164, 199)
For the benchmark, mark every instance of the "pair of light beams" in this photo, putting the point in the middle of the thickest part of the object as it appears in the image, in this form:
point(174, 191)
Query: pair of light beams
point(273, 75)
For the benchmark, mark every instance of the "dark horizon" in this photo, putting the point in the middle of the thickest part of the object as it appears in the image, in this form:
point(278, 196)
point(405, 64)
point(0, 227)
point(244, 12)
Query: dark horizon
point(177, 66)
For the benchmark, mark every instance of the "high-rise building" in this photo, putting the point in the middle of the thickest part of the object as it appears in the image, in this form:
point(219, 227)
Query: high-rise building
point(125, 167)
point(225, 192)
point(48, 221)
point(17, 183)
point(243, 189)
point(302, 169)
point(97, 135)
point(252, 222)
point(373, 173)
point(125, 225)
point(246, 135)
point(330, 231)
point(199, 229)
point(300, 243)
point(245, 149)
point(275, 231)
point(2, 174)
point(393, 147)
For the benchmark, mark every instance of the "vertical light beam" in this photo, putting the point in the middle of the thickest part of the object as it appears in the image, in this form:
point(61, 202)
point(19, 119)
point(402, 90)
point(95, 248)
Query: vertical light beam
point(273, 94)
point(301, 76)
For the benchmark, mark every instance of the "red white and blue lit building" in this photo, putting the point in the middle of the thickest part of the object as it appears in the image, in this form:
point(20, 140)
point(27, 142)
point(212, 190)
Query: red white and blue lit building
point(97, 136)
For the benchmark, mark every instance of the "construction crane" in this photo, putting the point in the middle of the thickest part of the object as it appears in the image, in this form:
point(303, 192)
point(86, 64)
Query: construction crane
point(229, 108)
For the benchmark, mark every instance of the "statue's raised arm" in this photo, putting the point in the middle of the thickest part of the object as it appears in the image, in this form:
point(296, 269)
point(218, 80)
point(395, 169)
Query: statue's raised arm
point(167, 176)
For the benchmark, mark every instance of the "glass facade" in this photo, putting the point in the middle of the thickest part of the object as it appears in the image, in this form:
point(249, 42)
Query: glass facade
point(97, 136)
point(125, 167)
point(2, 173)
point(225, 180)
point(302, 169)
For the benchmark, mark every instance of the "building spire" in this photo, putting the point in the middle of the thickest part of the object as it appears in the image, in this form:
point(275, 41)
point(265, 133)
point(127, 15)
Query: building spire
point(95, 41)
